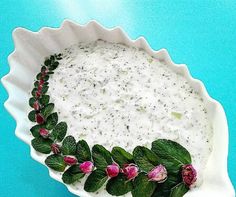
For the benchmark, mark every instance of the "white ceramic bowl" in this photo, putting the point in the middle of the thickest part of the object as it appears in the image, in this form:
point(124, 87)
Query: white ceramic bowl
point(32, 47)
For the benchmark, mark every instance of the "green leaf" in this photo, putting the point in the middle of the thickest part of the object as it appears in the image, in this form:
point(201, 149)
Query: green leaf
point(101, 156)
point(47, 62)
point(83, 151)
point(72, 175)
point(35, 130)
point(142, 186)
point(33, 92)
point(51, 121)
point(31, 102)
point(31, 116)
point(46, 111)
point(44, 89)
point(145, 158)
point(36, 84)
point(69, 146)
point(171, 154)
point(120, 156)
point(55, 162)
point(44, 100)
point(42, 145)
point(179, 190)
point(164, 189)
point(59, 131)
point(54, 66)
point(119, 185)
point(46, 78)
point(95, 180)
point(39, 76)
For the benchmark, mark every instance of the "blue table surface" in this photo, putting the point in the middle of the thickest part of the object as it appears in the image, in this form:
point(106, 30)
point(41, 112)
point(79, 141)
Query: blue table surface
point(199, 33)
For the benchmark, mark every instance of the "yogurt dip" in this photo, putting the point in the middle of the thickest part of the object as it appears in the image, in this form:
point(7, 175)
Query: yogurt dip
point(115, 95)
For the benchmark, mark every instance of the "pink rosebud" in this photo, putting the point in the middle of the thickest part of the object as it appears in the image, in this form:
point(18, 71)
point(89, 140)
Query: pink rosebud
point(40, 87)
point(36, 105)
point(130, 171)
point(39, 118)
point(41, 82)
point(70, 160)
point(112, 170)
point(158, 174)
point(44, 132)
point(38, 94)
point(86, 167)
point(189, 174)
point(55, 148)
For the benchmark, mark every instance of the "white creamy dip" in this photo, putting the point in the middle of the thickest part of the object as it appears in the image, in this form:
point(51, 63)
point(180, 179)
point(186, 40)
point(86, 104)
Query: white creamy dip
point(115, 95)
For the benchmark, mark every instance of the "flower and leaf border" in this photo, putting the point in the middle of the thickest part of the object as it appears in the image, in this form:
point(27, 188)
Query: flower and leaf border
point(165, 170)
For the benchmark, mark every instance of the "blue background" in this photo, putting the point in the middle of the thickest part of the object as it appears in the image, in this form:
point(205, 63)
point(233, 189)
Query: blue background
point(201, 34)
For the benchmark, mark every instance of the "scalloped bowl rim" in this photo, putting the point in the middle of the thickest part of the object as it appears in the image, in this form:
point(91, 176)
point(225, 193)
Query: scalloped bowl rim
point(216, 181)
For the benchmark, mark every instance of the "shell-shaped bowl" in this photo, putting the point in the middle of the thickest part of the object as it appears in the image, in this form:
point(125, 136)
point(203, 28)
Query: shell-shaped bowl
point(32, 47)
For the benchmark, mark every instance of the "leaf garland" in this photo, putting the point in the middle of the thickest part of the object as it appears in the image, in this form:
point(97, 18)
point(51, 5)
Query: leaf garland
point(166, 152)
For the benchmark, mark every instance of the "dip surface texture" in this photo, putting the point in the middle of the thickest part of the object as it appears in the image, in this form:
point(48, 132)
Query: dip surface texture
point(115, 95)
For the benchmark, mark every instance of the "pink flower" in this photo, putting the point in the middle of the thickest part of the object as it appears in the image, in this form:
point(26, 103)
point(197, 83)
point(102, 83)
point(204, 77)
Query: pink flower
point(158, 174)
point(130, 171)
point(41, 82)
point(189, 174)
point(36, 106)
point(38, 94)
point(39, 118)
point(44, 132)
point(86, 167)
point(112, 170)
point(55, 148)
point(70, 160)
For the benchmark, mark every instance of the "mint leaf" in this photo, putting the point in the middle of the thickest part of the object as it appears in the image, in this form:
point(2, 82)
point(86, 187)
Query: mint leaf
point(59, 131)
point(47, 62)
point(51, 121)
point(145, 158)
point(54, 65)
point(46, 111)
point(44, 100)
point(69, 146)
point(120, 156)
point(42, 145)
point(72, 175)
point(33, 92)
point(83, 151)
point(119, 185)
point(95, 180)
point(164, 189)
point(142, 186)
point(44, 89)
point(101, 156)
point(31, 116)
point(171, 154)
point(179, 190)
point(31, 102)
point(55, 162)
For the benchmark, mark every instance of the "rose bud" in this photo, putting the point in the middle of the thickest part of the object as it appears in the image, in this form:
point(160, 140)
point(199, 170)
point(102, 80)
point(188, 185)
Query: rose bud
point(189, 174)
point(86, 167)
point(38, 94)
point(130, 171)
point(39, 118)
point(158, 174)
point(70, 160)
point(41, 82)
point(44, 132)
point(112, 170)
point(36, 106)
point(55, 148)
